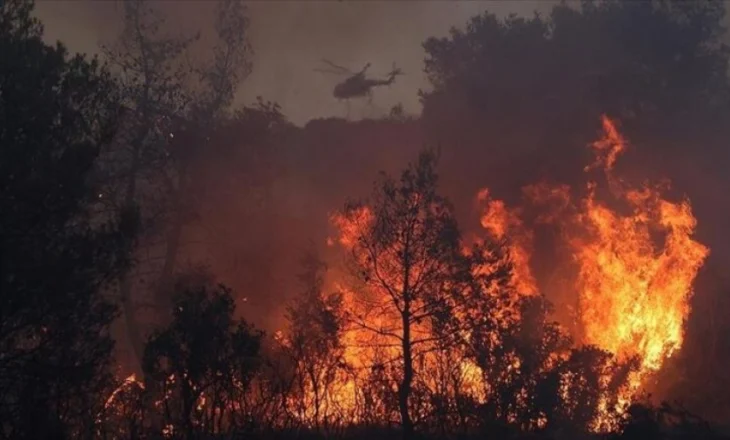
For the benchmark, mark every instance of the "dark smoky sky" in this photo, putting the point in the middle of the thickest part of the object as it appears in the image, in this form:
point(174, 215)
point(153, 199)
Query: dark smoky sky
point(290, 37)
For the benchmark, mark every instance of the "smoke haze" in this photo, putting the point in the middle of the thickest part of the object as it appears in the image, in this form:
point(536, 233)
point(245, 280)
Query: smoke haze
point(289, 39)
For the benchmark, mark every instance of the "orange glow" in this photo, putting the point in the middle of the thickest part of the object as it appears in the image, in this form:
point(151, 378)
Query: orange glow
point(634, 292)
point(634, 270)
point(630, 257)
point(609, 147)
point(373, 334)
point(504, 224)
point(129, 381)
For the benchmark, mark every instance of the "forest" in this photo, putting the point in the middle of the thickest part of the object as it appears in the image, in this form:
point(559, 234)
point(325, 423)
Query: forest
point(540, 253)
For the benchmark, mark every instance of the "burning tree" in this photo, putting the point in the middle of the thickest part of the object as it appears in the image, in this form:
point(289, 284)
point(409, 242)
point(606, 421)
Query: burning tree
point(315, 344)
point(407, 258)
point(451, 324)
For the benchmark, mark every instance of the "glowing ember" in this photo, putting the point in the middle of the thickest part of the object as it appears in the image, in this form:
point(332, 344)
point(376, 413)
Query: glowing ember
point(130, 380)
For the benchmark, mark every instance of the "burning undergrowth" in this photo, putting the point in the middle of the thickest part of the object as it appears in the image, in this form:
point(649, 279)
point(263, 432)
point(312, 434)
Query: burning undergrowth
point(409, 322)
point(629, 254)
point(624, 252)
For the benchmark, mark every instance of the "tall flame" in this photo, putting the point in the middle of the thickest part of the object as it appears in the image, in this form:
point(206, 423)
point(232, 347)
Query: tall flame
point(631, 269)
point(634, 292)
point(634, 271)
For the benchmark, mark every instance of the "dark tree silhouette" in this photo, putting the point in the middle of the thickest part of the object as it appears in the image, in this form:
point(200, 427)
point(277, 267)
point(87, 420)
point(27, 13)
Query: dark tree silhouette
point(199, 363)
point(152, 92)
point(167, 130)
point(407, 252)
point(664, 421)
point(56, 112)
point(314, 339)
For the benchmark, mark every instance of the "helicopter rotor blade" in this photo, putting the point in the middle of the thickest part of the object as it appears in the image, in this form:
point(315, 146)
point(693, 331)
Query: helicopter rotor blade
point(336, 67)
point(330, 72)
point(395, 71)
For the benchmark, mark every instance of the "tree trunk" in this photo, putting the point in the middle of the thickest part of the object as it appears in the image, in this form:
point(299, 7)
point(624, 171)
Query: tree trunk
point(164, 283)
point(315, 388)
point(404, 390)
point(130, 321)
point(125, 288)
point(188, 402)
point(172, 245)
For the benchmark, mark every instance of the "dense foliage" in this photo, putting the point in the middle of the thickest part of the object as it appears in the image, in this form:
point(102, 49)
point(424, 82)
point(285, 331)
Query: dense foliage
point(56, 259)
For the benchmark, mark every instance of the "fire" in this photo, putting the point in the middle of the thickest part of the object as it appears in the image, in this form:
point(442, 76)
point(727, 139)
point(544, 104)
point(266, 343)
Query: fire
point(117, 403)
point(128, 381)
point(634, 292)
point(373, 337)
point(350, 228)
point(632, 261)
point(634, 271)
point(498, 220)
point(609, 147)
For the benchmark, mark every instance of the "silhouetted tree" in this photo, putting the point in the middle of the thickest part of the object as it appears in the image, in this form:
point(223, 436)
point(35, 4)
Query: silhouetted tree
point(198, 364)
point(314, 339)
point(126, 412)
point(173, 110)
point(151, 80)
point(645, 421)
point(192, 130)
point(56, 113)
point(517, 347)
point(407, 252)
point(534, 377)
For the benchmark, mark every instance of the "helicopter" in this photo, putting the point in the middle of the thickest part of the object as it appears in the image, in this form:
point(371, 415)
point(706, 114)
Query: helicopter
point(357, 85)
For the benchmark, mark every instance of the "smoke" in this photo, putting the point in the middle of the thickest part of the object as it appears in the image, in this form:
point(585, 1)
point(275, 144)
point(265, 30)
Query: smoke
point(256, 248)
point(289, 39)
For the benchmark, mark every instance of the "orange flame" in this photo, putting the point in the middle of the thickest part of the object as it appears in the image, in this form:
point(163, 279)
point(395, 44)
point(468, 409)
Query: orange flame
point(609, 147)
point(505, 224)
point(130, 380)
point(633, 288)
point(634, 292)
point(633, 275)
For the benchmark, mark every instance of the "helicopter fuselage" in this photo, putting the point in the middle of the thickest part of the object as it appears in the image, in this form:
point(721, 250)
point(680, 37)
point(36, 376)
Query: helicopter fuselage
point(358, 86)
